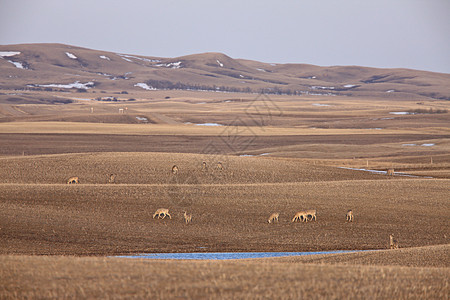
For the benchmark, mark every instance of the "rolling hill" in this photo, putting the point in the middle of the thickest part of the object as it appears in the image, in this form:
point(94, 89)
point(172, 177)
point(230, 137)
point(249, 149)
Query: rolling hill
point(58, 67)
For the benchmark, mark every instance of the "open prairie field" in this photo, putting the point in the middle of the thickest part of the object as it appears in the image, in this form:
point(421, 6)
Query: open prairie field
point(277, 153)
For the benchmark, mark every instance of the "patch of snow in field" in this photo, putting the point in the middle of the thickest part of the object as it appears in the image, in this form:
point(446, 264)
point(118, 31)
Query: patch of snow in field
point(400, 113)
point(76, 84)
point(142, 119)
point(387, 118)
point(323, 87)
point(17, 64)
point(127, 58)
point(145, 86)
point(201, 102)
point(320, 104)
point(70, 55)
point(246, 155)
point(242, 76)
point(261, 70)
point(105, 57)
point(209, 124)
point(174, 65)
point(390, 91)
point(428, 145)
point(264, 154)
point(220, 64)
point(273, 65)
point(349, 85)
point(8, 53)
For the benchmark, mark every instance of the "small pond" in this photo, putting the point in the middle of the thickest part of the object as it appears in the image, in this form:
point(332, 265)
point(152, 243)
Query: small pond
point(229, 255)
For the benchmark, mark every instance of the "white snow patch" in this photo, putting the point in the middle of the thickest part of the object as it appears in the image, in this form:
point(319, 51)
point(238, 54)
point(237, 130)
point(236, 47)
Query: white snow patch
point(105, 57)
point(390, 91)
point(428, 145)
point(70, 55)
point(220, 64)
point(127, 58)
point(174, 65)
point(246, 155)
point(261, 70)
point(8, 53)
point(17, 64)
point(242, 76)
point(320, 104)
point(76, 84)
point(349, 85)
point(323, 87)
point(401, 113)
point(145, 86)
point(142, 119)
point(209, 124)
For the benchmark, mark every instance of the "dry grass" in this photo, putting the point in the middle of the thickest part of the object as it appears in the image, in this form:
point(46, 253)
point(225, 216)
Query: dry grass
point(293, 278)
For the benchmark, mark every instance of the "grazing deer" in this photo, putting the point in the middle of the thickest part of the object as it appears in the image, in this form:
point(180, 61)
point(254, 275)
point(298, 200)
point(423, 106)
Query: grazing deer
point(187, 218)
point(312, 214)
point(300, 216)
point(349, 216)
point(273, 217)
point(175, 169)
point(73, 180)
point(112, 178)
point(390, 172)
point(219, 166)
point(162, 212)
point(204, 166)
point(393, 243)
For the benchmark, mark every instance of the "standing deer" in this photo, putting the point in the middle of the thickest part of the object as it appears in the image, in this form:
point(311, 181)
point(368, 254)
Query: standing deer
point(300, 216)
point(204, 166)
point(187, 218)
point(219, 166)
point(112, 178)
point(312, 214)
point(175, 169)
point(162, 212)
point(390, 172)
point(72, 180)
point(349, 216)
point(273, 217)
point(393, 243)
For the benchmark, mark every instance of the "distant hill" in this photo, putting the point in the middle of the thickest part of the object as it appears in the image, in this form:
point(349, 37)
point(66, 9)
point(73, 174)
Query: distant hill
point(63, 67)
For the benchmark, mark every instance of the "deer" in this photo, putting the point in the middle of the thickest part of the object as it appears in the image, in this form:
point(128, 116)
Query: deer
point(219, 166)
point(204, 166)
point(393, 242)
point(72, 180)
point(112, 178)
point(349, 216)
point(300, 216)
point(187, 218)
point(162, 211)
point(175, 169)
point(273, 217)
point(311, 213)
point(390, 172)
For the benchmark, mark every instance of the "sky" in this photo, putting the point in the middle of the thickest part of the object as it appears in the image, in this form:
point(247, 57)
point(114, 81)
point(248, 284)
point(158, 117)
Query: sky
point(375, 33)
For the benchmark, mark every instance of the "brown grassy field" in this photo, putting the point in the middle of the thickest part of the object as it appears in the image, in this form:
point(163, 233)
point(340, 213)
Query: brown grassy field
point(401, 274)
point(280, 153)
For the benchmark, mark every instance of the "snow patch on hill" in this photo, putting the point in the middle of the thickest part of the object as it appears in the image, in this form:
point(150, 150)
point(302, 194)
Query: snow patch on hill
point(70, 55)
point(105, 57)
point(145, 86)
point(8, 53)
point(76, 84)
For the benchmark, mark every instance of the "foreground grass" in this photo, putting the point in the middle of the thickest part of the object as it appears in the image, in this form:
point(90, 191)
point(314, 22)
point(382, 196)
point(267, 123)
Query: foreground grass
point(53, 277)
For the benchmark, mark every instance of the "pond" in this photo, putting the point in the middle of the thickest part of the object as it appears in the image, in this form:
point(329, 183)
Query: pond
point(229, 255)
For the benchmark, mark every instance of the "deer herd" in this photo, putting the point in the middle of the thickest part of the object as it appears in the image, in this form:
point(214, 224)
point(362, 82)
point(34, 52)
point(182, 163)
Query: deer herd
point(301, 216)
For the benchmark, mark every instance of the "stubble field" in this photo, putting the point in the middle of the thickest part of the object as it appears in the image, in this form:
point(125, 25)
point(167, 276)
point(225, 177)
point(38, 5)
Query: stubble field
point(56, 240)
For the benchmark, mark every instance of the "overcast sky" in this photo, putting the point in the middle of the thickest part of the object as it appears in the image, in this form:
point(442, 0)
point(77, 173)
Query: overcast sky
point(379, 33)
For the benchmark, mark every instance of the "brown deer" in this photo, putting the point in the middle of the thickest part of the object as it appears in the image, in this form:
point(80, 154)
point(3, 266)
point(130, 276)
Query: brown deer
point(112, 178)
point(300, 216)
point(175, 169)
point(273, 217)
point(219, 166)
point(349, 216)
point(162, 212)
point(187, 218)
point(72, 180)
point(311, 214)
point(393, 242)
point(390, 172)
point(204, 166)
